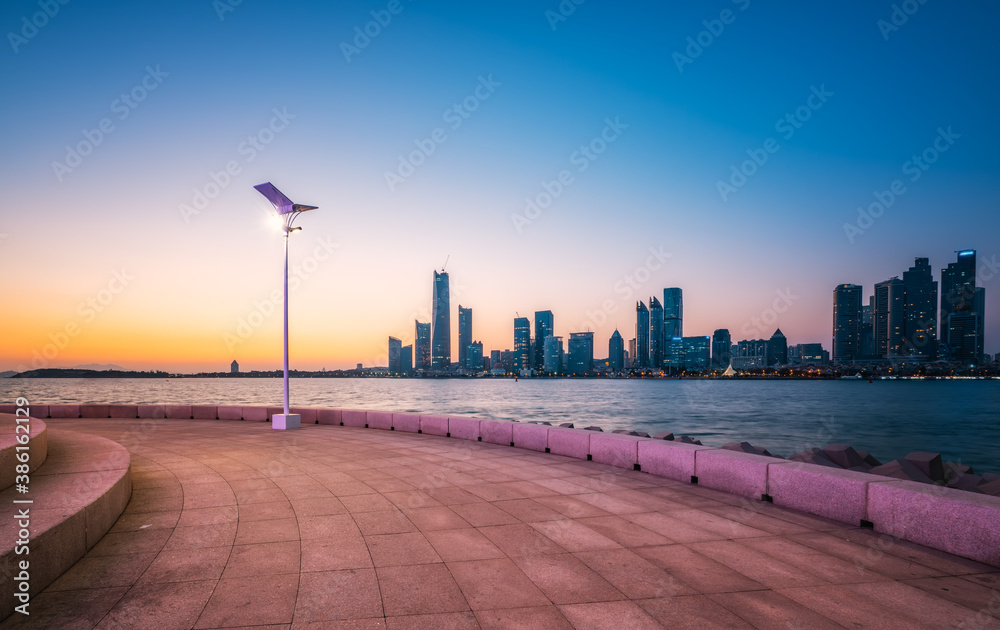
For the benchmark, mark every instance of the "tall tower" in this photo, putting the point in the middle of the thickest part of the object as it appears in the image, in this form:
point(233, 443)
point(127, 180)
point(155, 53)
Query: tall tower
point(657, 342)
point(673, 313)
point(889, 318)
point(846, 323)
point(920, 327)
point(963, 301)
point(543, 329)
point(722, 343)
point(441, 323)
point(464, 333)
point(641, 336)
point(522, 343)
point(422, 343)
point(616, 351)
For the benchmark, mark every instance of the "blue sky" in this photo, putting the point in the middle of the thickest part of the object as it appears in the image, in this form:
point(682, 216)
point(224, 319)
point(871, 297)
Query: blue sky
point(345, 124)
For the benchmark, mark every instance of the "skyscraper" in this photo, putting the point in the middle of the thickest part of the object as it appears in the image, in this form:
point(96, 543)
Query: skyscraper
point(616, 351)
point(464, 333)
point(889, 318)
point(552, 362)
point(962, 299)
point(722, 344)
point(395, 352)
point(777, 349)
point(581, 353)
point(920, 326)
point(656, 339)
point(641, 336)
point(406, 361)
point(673, 313)
point(441, 323)
point(474, 357)
point(423, 346)
point(846, 323)
point(522, 343)
point(543, 329)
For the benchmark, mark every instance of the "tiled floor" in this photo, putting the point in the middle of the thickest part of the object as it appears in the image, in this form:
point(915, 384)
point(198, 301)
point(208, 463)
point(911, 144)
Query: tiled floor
point(232, 524)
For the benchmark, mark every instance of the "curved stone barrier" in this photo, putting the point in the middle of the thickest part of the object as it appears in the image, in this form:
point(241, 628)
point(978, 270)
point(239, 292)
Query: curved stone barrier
point(10, 440)
point(947, 519)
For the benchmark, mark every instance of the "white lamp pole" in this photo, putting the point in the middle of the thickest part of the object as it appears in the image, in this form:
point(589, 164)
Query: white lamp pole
point(289, 212)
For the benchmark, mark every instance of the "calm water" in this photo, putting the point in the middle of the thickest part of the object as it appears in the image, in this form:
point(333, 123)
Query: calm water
point(959, 419)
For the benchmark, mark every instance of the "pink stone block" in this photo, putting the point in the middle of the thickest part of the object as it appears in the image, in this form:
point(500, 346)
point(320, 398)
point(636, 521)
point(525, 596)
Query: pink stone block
point(744, 474)
point(38, 411)
point(178, 412)
point(959, 522)
point(308, 415)
point(355, 418)
point(569, 442)
point(615, 449)
point(204, 412)
point(230, 413)
point(330, 416)
point(409, 422)
point(64, 411)
point(124, 411)
point(464, 428)
point(8, 409)
point(497, 431)
point(530, 436)
point(255, 414)
point(434, 425)
point(839, 495)
point(673, 460)
point(379, 420)
point(154, 412)
point(95, 411)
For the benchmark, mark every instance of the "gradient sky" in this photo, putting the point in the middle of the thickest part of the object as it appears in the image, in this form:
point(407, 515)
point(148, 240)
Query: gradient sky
point(366, 257)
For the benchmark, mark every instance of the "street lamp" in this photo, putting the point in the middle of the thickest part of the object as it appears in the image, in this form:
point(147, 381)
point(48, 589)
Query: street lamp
point(288, 212)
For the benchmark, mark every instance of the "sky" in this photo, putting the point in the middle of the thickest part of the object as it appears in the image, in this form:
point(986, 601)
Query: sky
point(556, 156)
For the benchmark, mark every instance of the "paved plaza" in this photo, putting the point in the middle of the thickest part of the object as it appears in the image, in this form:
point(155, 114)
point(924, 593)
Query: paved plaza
point(234, 525)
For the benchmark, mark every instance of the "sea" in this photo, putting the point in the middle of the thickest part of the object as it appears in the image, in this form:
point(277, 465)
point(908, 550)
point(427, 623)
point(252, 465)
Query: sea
point(959, 419)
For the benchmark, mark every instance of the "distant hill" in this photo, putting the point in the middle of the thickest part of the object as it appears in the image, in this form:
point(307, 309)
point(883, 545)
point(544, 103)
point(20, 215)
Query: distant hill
point(7, 374)
point(99, 367)
point(79, 373)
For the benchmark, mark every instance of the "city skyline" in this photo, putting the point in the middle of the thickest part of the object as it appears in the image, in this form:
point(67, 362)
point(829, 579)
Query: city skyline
point(549, 173)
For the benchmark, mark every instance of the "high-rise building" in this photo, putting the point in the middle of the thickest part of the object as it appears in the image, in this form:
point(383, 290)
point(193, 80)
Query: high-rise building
point(721, 349)
point(395, 350)
point(552, 361)
point(422, 345)
point(581, 353)
point(543, 329)
point(641, 336)
point(920, 325)
point(846, 323)
point(697, 352)
point(464, 333)
point(673, 313)
point(441, 323)
point(959, 295)
point(474, 357)
point(234, 367)
point(522, 343)
point(631, 353)
point(656, 339)
point(616, 351)
point(750, 354)
point(495, 357)
point(406, 360)
point(889, 318)
point(777, 349)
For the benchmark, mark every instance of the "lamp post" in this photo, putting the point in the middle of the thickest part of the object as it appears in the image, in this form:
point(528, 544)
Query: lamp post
point(288, 212)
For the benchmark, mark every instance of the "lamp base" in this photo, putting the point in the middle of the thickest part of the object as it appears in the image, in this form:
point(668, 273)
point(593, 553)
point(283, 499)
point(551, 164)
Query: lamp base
point(281, 422)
